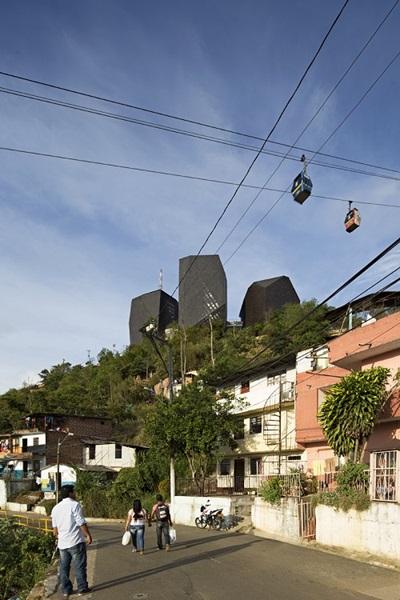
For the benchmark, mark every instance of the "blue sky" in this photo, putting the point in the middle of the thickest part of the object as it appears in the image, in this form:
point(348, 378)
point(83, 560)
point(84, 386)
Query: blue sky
point(79, 241)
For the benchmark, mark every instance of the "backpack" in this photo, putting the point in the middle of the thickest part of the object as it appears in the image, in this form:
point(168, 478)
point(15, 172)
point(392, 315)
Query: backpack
point(162, 512)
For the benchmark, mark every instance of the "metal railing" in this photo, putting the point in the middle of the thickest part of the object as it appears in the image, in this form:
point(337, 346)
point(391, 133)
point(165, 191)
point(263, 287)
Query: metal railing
point(42, 524)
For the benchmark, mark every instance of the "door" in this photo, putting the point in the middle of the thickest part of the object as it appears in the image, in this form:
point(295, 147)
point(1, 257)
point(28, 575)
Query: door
point(239, 475)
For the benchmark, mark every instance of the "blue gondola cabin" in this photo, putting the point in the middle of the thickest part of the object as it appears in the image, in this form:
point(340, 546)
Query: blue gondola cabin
point(302, 187)
point(352, 220)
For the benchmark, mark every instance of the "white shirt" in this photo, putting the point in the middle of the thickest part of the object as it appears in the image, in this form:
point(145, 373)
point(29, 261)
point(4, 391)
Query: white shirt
point(68, 517)
point(141, 520)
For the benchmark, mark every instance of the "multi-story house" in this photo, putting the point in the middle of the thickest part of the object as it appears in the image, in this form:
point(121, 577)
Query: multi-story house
point(267, 442)
point(376, 343)
point(22, 453)
point(51, 443)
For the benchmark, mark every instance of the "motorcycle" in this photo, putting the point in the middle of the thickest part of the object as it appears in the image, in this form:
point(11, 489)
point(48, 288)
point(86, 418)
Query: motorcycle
point(211, 518)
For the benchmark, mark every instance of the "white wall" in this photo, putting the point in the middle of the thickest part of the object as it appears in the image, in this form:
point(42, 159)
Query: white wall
point(105, 456)
point(374, 531)
point(187, 508)
point(281, 520)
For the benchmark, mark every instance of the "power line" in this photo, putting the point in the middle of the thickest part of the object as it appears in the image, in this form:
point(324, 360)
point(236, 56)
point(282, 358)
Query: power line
point(265, 141)
point(207, 138)
point(326, 141)
point(326, 300)
point(178, 175)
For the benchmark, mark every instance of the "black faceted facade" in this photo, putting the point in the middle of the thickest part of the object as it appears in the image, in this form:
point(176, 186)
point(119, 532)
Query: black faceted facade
point(202, 290)
point(262, 297)
point(157, 306)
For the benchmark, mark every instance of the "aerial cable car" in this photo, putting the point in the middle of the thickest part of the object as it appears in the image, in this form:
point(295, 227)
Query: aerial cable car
point(352, 220)
point(302, 185)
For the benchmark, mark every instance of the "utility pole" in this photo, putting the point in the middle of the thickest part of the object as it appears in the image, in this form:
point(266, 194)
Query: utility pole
point(149, 331)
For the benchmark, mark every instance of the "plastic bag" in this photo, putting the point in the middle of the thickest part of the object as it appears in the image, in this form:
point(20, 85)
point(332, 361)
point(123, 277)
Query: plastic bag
point(172, 535)
point(126, 538)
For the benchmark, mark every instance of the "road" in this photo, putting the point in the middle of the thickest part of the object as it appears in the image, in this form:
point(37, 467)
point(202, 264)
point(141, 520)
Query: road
point(210, 565)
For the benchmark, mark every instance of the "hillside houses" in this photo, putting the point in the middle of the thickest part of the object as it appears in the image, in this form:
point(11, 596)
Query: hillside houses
point(50, 445)
point(280, 426)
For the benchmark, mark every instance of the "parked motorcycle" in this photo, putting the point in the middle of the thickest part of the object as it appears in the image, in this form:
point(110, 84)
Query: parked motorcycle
point(211, 518)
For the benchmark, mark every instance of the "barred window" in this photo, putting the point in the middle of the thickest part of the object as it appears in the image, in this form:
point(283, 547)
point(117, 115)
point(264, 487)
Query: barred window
point(384, 475)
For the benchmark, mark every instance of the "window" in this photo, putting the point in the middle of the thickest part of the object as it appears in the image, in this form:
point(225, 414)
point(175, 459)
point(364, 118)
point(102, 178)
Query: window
point(225, 466)
point(118, 451)
point(255, 425)
point(92, 451)
point(245, 387)
point(384, 475)
point(36, 441)
point(255, 466)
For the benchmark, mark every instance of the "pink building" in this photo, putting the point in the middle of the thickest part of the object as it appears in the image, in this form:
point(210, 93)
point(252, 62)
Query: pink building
point(374, 344)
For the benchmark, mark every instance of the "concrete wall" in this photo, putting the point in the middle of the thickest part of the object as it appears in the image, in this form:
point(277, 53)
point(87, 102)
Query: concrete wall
point(281, 520)
point(373, 531)
point(187, 508)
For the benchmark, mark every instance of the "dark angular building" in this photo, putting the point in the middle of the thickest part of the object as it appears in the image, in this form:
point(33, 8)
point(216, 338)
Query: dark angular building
point(156, 305)
point(262, 297)
point(202, 290)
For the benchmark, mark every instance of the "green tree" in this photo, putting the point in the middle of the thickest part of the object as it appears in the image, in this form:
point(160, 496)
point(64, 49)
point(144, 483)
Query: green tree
point(351, 409)
point(195, 424)
point(311, 331)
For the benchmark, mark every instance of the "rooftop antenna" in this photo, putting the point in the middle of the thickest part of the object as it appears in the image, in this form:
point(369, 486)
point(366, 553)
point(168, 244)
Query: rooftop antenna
point(160, 285)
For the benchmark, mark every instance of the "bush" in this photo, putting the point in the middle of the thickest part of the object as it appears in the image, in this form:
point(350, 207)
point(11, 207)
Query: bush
point(25, 556)
point(352, 483)
point(270, 491)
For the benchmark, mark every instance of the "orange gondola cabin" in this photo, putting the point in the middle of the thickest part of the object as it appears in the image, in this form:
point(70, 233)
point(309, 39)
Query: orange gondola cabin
point(352, 220)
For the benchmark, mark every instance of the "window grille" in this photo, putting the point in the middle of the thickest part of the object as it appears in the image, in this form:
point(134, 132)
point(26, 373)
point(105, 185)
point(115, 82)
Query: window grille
point(385, 476)
point(118, 451)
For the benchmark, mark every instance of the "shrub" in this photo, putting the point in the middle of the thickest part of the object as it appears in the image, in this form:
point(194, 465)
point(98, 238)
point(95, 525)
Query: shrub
point(25, 555)
point(352, 483)
point(270, 491)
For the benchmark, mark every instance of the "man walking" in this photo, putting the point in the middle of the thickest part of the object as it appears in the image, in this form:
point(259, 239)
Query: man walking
point(163, 522)
point(70, 530)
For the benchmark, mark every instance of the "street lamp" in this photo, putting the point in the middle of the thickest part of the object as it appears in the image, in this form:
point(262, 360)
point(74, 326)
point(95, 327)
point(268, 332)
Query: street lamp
point(149, 331)
point(59, 443)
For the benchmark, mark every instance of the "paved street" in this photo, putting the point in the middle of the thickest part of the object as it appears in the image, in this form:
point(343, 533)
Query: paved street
point(209, 565)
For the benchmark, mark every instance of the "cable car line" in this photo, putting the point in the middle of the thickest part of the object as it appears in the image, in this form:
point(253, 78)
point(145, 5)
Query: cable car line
point(281, 196)
point(183, 119)
point(216, 140)
point(326, 300)
point(180, 175)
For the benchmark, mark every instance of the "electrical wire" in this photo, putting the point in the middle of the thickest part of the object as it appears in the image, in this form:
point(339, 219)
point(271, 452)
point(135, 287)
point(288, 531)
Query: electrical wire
point(284, 155)
point(326, 141)
point(265, 141)
point(326, 300)
point(279, 359)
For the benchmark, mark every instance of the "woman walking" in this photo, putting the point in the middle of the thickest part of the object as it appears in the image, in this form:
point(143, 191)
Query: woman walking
point(135, 523)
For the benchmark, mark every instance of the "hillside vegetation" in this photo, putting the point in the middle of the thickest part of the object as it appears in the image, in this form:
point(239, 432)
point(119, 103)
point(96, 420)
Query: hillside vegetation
point(117, 385)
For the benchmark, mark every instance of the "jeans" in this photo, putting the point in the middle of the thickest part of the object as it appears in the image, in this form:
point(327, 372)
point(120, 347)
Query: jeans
point(137, 534)
point(78, 555)
point(162, 528)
